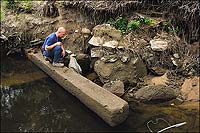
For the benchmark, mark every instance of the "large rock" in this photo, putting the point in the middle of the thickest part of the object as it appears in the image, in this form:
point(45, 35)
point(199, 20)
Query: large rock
point(107, 29)
point(152, 93)
point(116, 87)
point(111, 44)
point(96, 41)
point(105, 35)
point(130, 71)
point(190, 89)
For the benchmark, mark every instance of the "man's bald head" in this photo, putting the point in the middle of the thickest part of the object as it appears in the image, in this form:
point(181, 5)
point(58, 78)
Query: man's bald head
point(61, 29)
point(61, 32)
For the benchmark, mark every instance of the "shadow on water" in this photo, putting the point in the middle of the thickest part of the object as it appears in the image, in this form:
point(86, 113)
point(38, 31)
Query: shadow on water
point(40, 104)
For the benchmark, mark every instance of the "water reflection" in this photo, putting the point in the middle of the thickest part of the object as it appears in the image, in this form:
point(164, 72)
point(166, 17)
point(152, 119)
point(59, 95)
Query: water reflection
point(8, 96)
point(32, 107)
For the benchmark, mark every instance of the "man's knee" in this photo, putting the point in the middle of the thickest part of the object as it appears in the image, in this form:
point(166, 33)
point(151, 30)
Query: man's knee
point(57, 48)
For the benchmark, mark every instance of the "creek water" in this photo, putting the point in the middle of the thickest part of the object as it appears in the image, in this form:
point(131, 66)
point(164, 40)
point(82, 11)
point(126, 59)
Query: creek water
point(32, 101)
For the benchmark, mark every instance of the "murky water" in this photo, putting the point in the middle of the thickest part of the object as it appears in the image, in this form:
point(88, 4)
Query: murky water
point(31, 101)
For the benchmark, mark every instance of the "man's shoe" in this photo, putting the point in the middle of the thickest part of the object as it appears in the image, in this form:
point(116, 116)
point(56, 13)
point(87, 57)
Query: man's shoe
point(58, 64)
point(48, 59)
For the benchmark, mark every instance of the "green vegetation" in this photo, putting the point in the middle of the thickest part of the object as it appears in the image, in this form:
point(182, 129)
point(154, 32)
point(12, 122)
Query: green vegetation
point(17, 4)
point(147, 20)
point(168, 27)
point(120, 23)
point(133, 25)
point(124, 26)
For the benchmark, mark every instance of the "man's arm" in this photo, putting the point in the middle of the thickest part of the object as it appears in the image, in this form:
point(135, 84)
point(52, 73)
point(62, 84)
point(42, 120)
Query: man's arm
point(53, 45)
point(63, 50)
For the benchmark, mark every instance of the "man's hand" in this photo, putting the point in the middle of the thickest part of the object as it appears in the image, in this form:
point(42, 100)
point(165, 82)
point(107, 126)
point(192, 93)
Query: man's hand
point(59, 43)
point(63, 53)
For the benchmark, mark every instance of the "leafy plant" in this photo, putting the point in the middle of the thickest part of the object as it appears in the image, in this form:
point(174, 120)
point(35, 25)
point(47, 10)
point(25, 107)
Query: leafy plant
point(133, 25)
point(147, 20)
point(121, 24)
point(124, 26)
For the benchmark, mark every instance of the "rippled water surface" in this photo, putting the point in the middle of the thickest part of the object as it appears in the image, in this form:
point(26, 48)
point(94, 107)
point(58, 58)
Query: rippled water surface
point(31, 101)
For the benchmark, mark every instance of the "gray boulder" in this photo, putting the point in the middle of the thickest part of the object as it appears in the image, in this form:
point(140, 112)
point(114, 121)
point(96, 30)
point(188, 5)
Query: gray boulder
point(130, 71)
point(152, 93)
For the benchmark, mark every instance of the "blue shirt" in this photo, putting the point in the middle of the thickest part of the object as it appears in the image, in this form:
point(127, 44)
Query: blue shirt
point(51, 39)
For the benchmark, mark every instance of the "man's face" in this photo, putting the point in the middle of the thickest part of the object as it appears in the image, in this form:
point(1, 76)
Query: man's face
point(62, 34)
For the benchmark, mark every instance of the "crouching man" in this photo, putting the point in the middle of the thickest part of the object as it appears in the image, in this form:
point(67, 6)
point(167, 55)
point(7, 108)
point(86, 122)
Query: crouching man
point(53, 49)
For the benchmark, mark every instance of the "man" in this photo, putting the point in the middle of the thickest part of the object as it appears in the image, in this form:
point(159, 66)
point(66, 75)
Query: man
point(53, 48)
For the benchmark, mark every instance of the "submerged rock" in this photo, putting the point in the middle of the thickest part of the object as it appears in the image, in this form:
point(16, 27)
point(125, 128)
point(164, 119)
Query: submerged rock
point(116, 87)
point(152, 93)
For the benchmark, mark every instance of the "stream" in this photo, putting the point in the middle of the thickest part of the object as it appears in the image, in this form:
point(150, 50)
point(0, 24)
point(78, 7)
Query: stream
point(32, 101)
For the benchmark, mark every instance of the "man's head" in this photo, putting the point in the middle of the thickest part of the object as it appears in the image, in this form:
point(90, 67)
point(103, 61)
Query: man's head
point(61, 32)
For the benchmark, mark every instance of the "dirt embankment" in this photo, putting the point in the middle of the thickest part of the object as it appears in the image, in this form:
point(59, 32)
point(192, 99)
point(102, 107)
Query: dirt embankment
point(20, 29)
